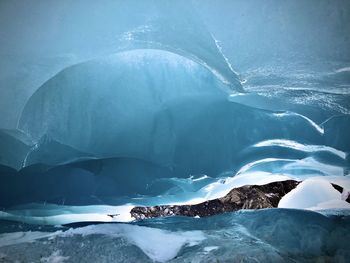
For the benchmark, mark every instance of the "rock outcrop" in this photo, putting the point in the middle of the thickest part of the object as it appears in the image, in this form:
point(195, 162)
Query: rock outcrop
point(344, 192)
point(245, 197)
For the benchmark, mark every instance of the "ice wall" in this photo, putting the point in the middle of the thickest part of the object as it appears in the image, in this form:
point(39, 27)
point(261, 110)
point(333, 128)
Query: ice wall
point(40, 38)
point(108, 106)
point(254, 33)
point(36, 45)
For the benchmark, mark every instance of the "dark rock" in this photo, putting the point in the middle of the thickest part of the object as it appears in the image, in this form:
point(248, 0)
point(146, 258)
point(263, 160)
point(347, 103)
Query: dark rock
point(113, 215)
point(338, 188)
point(341, 190)
point(245, 197)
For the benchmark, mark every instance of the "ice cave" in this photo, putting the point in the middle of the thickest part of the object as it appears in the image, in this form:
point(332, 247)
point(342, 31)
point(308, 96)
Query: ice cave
point(174, 131)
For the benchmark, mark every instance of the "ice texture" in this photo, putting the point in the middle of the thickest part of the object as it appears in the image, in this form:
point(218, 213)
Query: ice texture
point(281, 235)
point(111, 105)
point(159, 245)
point(108, 106)
point(14, 146)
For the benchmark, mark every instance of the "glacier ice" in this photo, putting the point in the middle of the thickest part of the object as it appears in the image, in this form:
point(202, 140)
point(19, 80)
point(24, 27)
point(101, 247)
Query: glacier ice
point(165, 114)
point(273, 234)
point(104, 179)
point(159, 245)
point(14, 146)
point(165, 29)
point(50, 152)
point(113, 99)
point(105, 107)
point(157, 25)
point(337, 132)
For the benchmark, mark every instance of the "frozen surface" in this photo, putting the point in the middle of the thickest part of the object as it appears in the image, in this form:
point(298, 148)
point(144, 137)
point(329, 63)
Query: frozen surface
point(55, 257)
point(107, 106)
point(8, 239)
point(271, 234)
point(311, 192)
point(159, 245)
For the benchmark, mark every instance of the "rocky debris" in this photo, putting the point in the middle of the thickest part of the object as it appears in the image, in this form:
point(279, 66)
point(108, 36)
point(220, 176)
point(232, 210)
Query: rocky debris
point(245, 197)
point(113, 215)
point(344, 192)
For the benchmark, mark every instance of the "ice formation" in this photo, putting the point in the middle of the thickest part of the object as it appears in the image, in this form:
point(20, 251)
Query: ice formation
point(107, 109)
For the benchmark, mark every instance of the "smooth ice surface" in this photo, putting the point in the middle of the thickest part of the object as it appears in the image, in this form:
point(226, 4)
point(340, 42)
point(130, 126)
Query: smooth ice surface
point(109, 107)
point(100, 30)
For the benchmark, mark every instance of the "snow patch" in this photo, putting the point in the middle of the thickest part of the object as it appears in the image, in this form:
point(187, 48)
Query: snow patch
point(210, 248)
point(159, 245)
point(218, 189)
point(299, 146)
point(311, 193)
point(55, 257)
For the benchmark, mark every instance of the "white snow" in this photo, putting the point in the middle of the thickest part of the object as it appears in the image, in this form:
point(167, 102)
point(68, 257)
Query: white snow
point(345, 194)
point(299, 146)
point(332, 204)
point(312, 192)
point(245, 169)
point(345, 69)
point(210, 248)
point(287, 113)
point(55, 257)
point(304, 198)
point(217, 189)
point(295, 165)
point(159, 245)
